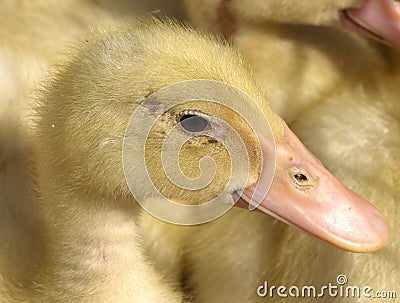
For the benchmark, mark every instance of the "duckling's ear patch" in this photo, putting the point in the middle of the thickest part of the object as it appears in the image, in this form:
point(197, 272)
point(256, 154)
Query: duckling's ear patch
point(212, 177)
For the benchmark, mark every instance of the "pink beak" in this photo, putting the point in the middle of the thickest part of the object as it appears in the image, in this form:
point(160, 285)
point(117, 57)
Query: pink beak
point(304, 194)
point(377, 19)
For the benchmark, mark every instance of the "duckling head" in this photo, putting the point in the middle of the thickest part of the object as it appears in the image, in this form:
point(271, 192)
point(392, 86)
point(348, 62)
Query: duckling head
point(210, 125)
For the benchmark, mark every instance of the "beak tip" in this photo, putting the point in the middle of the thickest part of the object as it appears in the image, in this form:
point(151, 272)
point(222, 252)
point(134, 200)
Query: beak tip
point(374, 239)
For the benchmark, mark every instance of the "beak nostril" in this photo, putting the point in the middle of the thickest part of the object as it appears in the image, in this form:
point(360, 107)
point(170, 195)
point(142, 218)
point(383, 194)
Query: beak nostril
point(301, 178)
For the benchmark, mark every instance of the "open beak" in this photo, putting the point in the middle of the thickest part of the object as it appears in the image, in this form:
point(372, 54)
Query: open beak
point(304, 194)
point(377, 19)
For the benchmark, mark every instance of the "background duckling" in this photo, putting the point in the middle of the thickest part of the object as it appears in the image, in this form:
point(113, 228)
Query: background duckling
point(342, 100)
point(80, 189)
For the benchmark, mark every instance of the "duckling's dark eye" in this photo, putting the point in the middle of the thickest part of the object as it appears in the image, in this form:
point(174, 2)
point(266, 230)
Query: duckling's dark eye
point(194, 123)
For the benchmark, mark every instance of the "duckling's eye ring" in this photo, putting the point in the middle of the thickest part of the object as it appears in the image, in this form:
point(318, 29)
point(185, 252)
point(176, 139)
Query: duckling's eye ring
point(194, 123)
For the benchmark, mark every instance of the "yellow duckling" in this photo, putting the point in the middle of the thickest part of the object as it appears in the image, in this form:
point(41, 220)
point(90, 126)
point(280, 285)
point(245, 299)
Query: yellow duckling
point(90, 244)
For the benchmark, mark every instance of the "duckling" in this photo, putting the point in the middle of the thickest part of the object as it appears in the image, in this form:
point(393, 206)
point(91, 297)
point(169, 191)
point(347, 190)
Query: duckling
point(90, 229)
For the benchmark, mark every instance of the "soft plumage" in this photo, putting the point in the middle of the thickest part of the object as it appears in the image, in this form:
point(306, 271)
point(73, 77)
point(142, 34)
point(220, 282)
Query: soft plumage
point(86, 230)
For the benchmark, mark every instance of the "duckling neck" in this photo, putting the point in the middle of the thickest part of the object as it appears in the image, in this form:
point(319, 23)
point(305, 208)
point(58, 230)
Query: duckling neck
point(96, 240)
